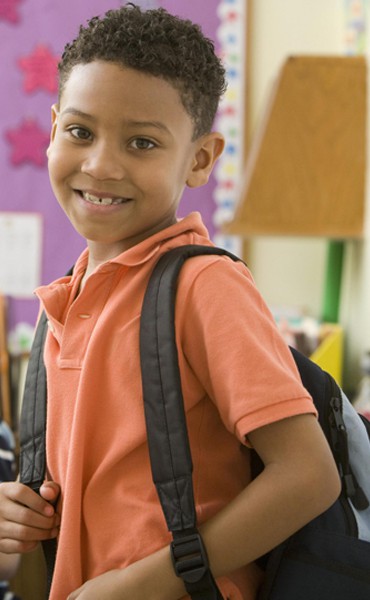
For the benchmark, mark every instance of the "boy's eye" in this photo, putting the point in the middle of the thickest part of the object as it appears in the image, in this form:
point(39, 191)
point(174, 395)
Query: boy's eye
point(80, 133)
point(142, 144)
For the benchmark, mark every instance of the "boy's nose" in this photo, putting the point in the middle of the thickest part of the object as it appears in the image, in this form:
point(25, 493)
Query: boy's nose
point(103, 162)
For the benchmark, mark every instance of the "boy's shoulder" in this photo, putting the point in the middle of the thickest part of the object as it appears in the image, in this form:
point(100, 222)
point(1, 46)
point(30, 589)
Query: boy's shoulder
point(217, 273)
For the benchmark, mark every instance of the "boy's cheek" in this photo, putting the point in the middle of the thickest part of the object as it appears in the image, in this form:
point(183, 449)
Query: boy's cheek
point(51, 147)
point(56, 158)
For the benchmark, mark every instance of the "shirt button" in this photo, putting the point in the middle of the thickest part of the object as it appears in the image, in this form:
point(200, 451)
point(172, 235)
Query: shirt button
point(84, 316)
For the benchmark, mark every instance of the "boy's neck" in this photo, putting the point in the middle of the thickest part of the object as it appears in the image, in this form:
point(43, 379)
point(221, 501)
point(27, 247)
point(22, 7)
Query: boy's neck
point(98, 255)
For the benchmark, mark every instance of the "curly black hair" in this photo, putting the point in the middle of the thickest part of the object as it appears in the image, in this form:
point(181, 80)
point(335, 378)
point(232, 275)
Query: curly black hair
point(158, 43)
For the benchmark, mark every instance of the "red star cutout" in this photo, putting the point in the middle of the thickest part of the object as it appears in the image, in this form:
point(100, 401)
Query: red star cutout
point(232, 16)
point(29, 143)
point(40, 69)
point(228, 184)
point(9, 10)
point(229, 111)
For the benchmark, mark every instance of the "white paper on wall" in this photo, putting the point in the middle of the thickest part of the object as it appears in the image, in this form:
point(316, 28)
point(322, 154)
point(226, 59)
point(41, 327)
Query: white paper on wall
point(20, 253)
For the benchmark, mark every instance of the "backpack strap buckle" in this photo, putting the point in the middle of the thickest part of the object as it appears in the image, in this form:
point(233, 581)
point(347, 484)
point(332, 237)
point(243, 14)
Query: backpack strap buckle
point(189, 557)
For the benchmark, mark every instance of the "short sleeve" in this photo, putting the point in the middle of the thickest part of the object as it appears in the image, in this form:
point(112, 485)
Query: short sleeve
point(232, 344)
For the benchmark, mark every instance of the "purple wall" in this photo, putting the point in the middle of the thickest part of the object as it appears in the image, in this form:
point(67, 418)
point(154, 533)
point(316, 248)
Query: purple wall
point(32, 36)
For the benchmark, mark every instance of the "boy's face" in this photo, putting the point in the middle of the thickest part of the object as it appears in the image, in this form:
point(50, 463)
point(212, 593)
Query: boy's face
point(121, 152)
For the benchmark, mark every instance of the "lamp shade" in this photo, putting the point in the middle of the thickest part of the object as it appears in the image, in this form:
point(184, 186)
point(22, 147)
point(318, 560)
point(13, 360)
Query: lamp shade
point(305, 172)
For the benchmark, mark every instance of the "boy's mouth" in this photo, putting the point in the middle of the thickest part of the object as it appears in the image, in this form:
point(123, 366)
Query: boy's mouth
point(102, 201)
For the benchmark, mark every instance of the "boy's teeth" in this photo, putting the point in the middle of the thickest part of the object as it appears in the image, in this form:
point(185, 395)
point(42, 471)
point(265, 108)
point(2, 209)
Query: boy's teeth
point(102, 201)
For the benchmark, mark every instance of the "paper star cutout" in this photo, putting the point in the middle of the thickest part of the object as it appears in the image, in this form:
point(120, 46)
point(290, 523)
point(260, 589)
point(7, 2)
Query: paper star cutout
point(232, 16)
point(229, 111)
point(40, 70)
point(29, 143)
point(9, 10)
point(229, 184)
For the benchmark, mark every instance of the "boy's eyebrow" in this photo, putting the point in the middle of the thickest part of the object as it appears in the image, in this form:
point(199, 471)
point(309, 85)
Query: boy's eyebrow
point(157, 124)
point(131, 122)
point(76, 113)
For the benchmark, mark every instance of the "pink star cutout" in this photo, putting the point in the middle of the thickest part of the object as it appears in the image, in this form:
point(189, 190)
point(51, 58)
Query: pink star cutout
point(29, 143)
point(9, 10)
point(229, 111)
point(40, 70)
point(228, 184)
point(232, 16)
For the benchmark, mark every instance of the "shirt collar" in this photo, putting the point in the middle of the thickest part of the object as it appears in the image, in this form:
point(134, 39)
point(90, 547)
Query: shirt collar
point(187, 227)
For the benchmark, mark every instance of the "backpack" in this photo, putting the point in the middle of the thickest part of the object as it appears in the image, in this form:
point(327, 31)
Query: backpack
point(328, 559)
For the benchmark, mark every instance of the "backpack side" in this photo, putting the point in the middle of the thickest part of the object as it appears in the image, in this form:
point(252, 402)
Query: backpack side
point(349, 442)
point(329, 557)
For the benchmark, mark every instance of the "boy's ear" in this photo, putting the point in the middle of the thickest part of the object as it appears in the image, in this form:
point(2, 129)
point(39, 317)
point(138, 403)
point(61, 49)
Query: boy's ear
point(54, 118)
point(208, 148)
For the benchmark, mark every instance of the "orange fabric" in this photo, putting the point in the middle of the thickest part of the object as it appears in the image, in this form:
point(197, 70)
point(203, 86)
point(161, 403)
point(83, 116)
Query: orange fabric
point(237, 375)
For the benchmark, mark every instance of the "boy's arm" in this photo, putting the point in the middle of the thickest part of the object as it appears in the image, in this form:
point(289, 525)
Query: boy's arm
point(300, 481)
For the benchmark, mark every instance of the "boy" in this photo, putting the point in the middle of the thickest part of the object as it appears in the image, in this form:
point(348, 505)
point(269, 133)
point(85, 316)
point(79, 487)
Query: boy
point(133, 126)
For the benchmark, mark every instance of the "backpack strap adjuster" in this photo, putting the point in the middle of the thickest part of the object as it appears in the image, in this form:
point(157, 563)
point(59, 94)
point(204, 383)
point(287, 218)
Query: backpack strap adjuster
point(189, 557)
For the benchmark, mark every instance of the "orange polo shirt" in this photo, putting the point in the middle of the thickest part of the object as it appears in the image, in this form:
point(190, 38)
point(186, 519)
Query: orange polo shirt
point(237, 375)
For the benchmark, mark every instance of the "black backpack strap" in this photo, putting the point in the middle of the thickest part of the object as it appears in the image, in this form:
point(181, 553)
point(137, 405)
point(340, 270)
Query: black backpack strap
point(32, 465)
point(166, 422)
point(32, 434)
point(33, 415)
